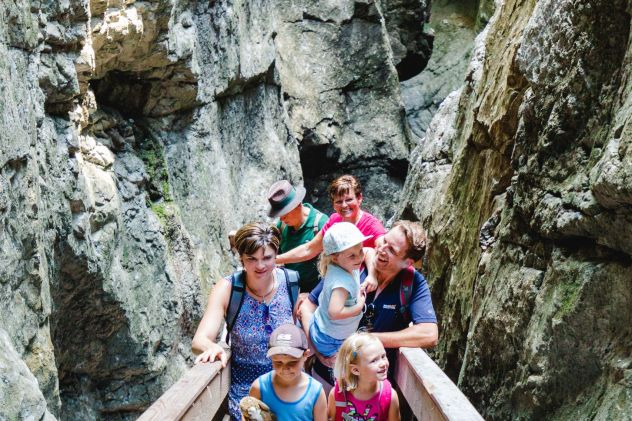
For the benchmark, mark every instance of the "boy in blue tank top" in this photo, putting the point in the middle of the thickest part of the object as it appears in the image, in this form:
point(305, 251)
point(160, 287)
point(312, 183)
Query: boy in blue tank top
point(289, 392)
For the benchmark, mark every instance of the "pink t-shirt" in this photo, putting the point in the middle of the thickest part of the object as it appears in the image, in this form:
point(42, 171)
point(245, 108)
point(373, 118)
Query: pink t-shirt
point(368, 225)
point(375, 409)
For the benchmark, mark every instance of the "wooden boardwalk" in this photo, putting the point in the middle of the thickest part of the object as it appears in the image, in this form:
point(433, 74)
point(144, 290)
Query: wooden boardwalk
point(201, 393)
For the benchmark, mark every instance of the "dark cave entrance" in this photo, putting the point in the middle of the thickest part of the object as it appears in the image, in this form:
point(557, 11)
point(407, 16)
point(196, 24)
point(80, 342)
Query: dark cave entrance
point(381, 179)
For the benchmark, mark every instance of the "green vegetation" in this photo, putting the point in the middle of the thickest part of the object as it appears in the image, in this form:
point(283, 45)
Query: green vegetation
point(165, 188)
point(162, 211)
point(568, 294)
point(152, 154)
point(159, 198)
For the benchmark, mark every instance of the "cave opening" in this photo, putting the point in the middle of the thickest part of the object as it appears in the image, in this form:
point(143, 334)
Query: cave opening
point(379, 178)
point(154, 93)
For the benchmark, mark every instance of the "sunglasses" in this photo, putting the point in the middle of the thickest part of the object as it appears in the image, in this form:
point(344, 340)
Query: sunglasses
point(266, 318)
point(369, 317)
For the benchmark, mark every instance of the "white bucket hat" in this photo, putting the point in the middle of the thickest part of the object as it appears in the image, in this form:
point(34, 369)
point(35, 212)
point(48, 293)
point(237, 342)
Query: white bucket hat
point(341, 236)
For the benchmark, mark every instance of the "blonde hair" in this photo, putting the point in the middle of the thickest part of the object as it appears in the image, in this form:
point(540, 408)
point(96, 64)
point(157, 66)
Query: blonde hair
point(349, 353)
point(323, 262)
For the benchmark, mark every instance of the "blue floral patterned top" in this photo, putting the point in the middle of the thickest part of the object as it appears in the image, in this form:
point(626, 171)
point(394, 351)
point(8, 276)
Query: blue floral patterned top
point(249, 340)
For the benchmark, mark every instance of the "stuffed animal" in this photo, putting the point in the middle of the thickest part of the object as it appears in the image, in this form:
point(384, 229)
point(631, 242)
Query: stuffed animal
point(254, 410)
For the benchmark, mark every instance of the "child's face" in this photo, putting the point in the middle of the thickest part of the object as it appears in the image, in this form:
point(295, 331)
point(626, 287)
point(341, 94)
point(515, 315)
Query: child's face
point(287, 367)
point(350, 258)
point(372, 363)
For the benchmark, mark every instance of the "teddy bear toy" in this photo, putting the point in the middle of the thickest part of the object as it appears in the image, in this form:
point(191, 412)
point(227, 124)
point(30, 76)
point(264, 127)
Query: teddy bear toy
point(254, 410)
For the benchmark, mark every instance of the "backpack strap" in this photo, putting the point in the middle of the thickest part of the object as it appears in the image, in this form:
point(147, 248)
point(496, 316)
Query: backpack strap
point(340, 400)
point(235, 300)
point(317, 218)
point(291, 281)
point(405, 291)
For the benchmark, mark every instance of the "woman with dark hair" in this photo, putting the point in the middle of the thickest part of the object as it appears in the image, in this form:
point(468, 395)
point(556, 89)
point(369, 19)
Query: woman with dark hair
point(266, 304)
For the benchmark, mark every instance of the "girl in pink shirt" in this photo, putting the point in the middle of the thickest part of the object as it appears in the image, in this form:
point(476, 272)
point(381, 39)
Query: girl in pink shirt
point(362, 392)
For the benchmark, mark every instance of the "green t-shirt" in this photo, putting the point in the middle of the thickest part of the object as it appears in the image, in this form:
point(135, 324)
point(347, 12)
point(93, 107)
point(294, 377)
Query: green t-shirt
point(291, 238)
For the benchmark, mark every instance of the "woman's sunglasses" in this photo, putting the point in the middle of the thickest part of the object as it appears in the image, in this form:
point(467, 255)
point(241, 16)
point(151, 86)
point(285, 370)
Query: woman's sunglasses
point(266, 318)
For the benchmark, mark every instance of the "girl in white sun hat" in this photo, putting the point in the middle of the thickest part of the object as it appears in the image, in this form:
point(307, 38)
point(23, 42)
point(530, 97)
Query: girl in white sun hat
point(341, 301)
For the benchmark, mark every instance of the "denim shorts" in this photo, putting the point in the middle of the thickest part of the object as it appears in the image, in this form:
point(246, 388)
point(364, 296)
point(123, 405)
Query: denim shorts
point(324, 343)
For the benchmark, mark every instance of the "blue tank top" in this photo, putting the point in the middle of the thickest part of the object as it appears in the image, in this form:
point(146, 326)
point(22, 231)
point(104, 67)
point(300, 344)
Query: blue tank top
point(299, 410)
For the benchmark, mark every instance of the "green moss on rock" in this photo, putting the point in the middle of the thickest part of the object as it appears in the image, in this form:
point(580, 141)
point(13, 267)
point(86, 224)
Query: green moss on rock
point(152, 154)
point(568, 295)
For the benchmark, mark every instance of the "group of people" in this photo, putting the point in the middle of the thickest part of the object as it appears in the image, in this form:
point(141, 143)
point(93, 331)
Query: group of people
point(341, 274)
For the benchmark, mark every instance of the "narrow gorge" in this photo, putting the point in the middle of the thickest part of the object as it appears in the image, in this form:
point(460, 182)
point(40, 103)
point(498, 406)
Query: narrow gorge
point(134, 135)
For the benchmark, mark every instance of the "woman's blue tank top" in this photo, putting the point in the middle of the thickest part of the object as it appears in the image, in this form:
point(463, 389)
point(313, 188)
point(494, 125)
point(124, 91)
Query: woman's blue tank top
point(299, 410)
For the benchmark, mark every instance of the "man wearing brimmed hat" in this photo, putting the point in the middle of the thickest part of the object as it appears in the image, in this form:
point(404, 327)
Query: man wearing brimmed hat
point(289, 392)
point(299, 223)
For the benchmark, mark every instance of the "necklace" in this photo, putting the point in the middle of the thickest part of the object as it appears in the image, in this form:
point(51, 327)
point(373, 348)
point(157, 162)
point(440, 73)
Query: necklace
point(262, 298)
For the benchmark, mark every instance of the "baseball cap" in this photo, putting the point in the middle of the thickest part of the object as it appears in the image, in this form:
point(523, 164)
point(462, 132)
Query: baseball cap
point(287, 339)
point(341, 236)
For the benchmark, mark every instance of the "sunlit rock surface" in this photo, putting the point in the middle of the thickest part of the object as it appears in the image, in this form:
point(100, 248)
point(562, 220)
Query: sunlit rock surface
point(135, 135)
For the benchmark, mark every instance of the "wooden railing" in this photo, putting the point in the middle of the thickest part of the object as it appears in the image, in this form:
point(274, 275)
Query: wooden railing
point(426, 391)
point(198, 395)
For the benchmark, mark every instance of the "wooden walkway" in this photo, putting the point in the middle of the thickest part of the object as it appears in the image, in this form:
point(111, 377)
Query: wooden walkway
point(431, 396)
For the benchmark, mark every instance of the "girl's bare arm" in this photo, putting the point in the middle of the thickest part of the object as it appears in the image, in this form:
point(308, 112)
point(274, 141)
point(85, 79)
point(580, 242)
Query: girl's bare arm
point(337, 309)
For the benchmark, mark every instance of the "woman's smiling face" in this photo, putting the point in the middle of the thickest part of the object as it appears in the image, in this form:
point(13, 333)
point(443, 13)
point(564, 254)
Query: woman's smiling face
point(348, 205)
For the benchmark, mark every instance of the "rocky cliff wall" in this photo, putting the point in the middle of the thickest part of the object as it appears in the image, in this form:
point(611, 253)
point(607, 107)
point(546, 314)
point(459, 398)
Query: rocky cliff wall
point(135, 135)
point(522, 180)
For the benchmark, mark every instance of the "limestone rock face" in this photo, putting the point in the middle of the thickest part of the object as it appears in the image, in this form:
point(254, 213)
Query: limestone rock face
point(20, 396)
point(135, 135)
point(453, 28)
point(520, 180)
